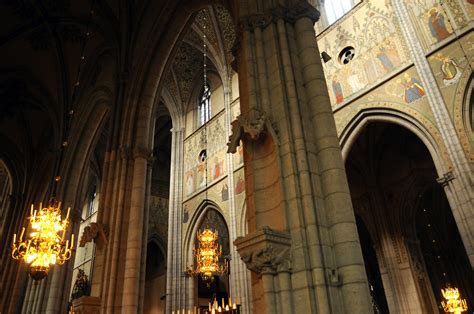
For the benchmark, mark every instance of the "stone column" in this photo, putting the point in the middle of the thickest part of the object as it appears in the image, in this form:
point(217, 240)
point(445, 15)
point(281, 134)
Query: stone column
point(13, 275)
point(459, 183)
point(238, 276)
point(295, 177)
point(267, 254)
point(146, 218)
point(131, 288)
point(106, 283)
point(174, 273)
point(349, 263)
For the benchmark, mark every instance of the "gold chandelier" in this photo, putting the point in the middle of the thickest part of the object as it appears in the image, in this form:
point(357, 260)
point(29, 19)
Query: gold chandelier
point(454, 303)
point(207, 256)
point(45, 246)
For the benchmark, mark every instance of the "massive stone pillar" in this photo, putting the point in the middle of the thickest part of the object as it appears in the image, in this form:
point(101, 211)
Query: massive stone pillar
point(458, 182)
point(302, 247)
point(239, 283)
point(132, 269)
point(174, 273)
point(13, 274)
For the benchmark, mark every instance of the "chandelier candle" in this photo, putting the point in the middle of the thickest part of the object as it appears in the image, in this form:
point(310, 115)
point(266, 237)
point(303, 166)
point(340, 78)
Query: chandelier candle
point(45, 245)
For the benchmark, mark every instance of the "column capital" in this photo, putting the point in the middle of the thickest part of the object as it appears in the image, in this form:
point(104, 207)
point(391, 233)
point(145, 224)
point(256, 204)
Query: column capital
point(265, 251)
point(125, 152)
point(301, 9)
point(142, 152)
point(290, 14)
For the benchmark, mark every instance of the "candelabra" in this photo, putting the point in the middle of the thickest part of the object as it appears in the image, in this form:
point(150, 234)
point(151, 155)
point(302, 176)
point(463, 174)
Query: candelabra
point(213, 308)
point(454, 303)
point(207, 256)
point(45, 245)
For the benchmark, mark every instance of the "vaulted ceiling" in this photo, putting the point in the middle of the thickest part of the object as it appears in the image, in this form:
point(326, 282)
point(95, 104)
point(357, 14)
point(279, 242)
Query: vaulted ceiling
point(40, 53)
point(186, 72)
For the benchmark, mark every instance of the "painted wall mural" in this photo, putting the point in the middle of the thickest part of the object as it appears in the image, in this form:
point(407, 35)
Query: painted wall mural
point(372, 29)
point(449, 67)
point(413, 90)
point(208, 141)
point(239, 189)
point(452, 66)
point(219, 191)
point(379, 50)
point(436, 21)
point(405, 88)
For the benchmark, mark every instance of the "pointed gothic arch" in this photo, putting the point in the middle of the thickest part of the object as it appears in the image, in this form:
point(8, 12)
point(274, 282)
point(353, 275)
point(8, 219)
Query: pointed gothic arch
point(423, 131)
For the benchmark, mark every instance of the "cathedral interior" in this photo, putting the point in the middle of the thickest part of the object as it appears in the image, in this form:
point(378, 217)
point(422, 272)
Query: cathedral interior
point(231, 156)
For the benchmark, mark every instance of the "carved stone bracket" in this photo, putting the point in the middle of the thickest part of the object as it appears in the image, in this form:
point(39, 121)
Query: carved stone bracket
point(265, 251)
point(243, 128)
point(86, 305)
point(94, 232)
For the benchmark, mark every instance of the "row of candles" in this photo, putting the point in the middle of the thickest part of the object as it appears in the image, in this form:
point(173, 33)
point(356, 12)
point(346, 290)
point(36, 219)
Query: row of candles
point(213, 308)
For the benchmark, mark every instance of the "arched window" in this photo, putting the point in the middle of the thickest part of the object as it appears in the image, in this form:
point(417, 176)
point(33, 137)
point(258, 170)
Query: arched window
point(85, 255)
point(335, 9)
point(92, 197)
point(204, 109)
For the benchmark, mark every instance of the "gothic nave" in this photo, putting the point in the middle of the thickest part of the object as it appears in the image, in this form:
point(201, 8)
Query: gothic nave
point(230, 156)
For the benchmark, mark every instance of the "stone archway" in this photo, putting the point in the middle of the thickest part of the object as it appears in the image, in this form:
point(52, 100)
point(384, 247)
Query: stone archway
point(428, 134)
point(207, 215)
point(388, 169)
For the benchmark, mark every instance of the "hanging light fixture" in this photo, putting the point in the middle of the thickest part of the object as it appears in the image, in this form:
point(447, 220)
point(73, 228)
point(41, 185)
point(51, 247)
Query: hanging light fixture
point(453, 302)
point(45, 243)
point(207, 256)
point(208, 252)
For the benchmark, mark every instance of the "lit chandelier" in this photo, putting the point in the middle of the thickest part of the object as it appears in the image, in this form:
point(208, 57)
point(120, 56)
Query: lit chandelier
point(454, 303)
point(45, 245)
point(207, 256)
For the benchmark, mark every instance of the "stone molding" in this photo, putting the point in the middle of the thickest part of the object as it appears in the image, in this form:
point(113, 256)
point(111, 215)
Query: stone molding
point(265, 251)
point(301, 9)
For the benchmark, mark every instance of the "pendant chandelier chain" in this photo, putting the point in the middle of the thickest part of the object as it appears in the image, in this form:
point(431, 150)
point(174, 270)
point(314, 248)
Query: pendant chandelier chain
point(453, 302)
point(434, 244)
point(46, 242)
point(205, 87)
point(70, 105)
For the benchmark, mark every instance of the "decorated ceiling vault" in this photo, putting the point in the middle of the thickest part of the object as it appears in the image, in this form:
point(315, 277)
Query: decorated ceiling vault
point(328, 144)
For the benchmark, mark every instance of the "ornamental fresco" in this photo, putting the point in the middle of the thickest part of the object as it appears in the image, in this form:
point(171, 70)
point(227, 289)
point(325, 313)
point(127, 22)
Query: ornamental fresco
point(435, 21)
point(380, 51)
point(211, 138)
